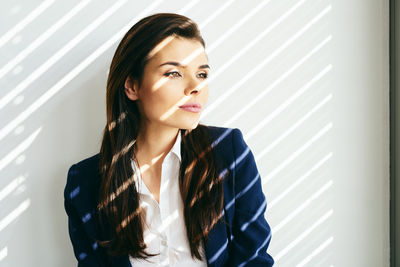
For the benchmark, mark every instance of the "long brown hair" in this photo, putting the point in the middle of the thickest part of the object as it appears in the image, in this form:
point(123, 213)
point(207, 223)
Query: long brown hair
point(199, 181)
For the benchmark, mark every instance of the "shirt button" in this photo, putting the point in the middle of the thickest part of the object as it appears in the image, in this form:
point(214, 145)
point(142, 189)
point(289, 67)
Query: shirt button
point(163, 242)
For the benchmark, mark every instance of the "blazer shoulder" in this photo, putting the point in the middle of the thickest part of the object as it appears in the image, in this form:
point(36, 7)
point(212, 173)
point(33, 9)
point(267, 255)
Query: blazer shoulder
point(225, 138)
point(221, 136)
point(89, 162)
point(225, 143)
point(82, 174)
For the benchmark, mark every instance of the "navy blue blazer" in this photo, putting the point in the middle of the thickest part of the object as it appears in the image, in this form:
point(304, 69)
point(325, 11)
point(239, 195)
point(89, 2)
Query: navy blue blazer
point(243, 242)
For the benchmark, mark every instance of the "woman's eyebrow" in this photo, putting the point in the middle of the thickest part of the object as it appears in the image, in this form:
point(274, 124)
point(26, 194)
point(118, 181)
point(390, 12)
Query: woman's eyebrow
point(174, 63)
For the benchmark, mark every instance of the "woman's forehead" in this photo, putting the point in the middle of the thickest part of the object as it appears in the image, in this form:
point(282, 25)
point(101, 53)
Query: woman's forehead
point(184, 51)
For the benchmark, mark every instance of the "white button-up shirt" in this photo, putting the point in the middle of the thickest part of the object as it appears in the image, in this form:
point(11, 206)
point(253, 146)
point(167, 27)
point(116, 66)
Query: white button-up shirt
point(165, 229)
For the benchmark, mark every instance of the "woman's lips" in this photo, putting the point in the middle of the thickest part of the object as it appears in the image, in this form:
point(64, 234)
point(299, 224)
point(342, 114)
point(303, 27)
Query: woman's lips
point(191, 107)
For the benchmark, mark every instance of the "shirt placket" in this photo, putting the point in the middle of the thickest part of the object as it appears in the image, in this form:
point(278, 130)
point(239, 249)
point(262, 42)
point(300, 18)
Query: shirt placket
point(161, 226)
point(156, 223)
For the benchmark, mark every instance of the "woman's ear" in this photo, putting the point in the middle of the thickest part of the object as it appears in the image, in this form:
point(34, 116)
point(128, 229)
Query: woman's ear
point(131, 89)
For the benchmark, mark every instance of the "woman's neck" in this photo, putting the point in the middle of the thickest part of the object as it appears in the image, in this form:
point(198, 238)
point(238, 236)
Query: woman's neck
point(152, 146)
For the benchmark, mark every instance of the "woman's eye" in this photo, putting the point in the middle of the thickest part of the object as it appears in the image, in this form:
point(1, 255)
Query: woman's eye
point(203, 75)
point(175, 74)
point(172, 74)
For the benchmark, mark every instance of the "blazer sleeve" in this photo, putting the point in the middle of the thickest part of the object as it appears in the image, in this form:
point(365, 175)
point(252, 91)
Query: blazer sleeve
point(81, 244)
point(250, 230)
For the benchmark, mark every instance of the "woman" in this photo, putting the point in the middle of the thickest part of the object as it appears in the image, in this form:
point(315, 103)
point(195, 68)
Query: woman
point(165, 190)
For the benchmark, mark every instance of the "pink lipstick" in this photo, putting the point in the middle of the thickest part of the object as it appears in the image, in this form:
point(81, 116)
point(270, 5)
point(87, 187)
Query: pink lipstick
point(192, 107)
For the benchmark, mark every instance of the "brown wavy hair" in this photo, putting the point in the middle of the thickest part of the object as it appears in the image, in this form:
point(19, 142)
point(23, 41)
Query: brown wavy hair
point(199, 181)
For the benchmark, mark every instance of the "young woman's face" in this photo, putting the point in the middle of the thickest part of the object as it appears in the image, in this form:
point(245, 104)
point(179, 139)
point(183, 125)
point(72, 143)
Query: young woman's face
point(175, 75)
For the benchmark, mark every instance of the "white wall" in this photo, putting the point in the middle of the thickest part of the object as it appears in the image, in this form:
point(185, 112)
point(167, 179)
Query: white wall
point(306, 82)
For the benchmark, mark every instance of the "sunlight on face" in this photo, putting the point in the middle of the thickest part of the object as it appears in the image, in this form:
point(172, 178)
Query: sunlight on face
point(175, 74)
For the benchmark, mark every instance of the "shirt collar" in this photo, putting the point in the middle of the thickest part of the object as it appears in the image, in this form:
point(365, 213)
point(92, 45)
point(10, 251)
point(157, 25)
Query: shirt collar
point(176, 148)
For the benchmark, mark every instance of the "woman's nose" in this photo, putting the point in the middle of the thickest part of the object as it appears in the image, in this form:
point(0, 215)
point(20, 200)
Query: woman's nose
point(193, 85)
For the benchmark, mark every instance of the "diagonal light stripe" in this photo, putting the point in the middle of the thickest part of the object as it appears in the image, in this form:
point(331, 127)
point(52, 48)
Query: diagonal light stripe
point(188, 6)
point(260, 96)
point(19, 149)
point(41, 39)
point(300, 208)
point(218, 252)
point(257, 250)
point(303, 235)
point(289, 101)
point(255, 40)
point(60, 53)
point(293, 127)
point(248, 186)
point(237, 25)
point(298, 152)
point(3, 253)
point(258, 213)
point(14, 214)
point(170, 219)
point(260, 66)
point(315, 252)
point(216, 13)
point(28, 19)
point(11, 187)
point(298, 181)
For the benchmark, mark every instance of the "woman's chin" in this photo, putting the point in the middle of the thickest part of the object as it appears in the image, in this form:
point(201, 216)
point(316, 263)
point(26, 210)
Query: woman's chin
point(190, 125)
